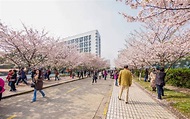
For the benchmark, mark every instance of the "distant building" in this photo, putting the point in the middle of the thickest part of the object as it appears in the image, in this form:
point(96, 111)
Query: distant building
point(86, 42)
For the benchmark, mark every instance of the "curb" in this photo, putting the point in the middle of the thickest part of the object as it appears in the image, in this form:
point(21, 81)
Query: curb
point(108, 101)
point(104, 105)
point(28, 91)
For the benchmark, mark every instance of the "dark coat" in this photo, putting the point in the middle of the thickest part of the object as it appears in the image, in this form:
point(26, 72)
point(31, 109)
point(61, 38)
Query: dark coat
point(38, 84)
point(23, 74)
point(14, 77)
point(160, 78)
point(95, 75)
point(146, 73)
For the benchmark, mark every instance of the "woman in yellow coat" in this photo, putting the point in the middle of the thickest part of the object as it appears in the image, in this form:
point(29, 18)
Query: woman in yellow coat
point(125, 81)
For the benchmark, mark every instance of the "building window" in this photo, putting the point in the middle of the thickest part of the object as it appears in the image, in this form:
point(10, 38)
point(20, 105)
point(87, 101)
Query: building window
point(76, 40)
point(89, 43)
point(85, 44)
point(85, 38)
point(89, 37)
point(81, 50)
point(81, 39)
point(85, 49)
point(81, 45)
point(73, 40)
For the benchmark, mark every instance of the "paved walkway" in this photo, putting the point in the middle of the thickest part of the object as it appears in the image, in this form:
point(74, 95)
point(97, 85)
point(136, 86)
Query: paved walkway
point(140, 106)
point(23, 88)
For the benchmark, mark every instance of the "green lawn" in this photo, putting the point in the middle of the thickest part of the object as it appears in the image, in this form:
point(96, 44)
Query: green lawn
point(179, 101)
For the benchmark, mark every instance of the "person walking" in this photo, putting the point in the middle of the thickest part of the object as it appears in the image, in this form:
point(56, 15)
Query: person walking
point(125, 81)
point(13, 80)
point(95, 76)
point(116, 77)
point(2, 84)
point(81, 74)
point(100, 74)
point(146, 75)
point(56, 74)
point(48, 74)
point(73, 74)
point(38, 81)
point(8, 78)
point(88, 73)
point(33, 73)
point(152, 79)
point(105, 74)
point(160, 82)
point(78, 74)
point(22, 76)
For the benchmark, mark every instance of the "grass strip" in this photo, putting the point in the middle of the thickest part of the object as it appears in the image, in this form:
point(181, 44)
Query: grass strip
point(179, 101)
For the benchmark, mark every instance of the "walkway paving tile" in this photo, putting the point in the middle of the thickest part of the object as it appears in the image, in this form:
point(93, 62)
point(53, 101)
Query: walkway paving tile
point(140, 106)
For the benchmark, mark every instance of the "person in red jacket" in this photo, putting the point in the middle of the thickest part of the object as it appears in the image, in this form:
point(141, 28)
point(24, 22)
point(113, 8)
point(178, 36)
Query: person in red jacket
point(8, 78)
point(2, 84)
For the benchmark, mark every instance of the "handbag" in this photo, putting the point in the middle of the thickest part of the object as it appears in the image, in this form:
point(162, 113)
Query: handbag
point(32, 84)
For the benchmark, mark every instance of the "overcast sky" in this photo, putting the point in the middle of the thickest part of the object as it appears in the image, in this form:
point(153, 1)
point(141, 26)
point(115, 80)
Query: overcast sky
point(63, 18)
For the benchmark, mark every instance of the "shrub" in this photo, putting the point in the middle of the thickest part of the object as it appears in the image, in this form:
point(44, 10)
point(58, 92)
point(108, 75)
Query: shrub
point(178, 77)
point(137, 72)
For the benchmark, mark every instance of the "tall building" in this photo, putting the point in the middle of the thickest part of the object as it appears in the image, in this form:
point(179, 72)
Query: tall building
point(86, 42)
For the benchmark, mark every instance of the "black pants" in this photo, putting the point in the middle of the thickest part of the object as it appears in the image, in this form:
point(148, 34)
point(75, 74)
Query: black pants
point(23, 79)
point(48, 77)
point(105, 77)
point(94, 80)
point(56, 78)
point(160, 91)
point(12, 85)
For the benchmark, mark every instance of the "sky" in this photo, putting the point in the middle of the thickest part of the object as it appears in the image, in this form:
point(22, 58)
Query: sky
point(63, 18)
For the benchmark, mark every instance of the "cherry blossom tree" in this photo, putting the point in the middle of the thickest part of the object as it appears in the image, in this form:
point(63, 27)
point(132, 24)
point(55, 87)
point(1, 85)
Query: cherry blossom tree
point(91, 61)
point(74, 58)
point(32, 48)
point(174, 12)
point(27, 47)
point(159, 44)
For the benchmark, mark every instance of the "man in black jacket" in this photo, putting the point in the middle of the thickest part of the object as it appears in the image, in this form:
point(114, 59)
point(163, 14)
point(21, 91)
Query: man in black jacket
point(160, 82)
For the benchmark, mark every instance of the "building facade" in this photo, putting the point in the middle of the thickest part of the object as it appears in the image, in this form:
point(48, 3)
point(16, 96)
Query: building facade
point(86, 42)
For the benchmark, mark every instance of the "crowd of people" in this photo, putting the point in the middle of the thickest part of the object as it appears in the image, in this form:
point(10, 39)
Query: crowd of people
point(123, 78)
point(14, 77)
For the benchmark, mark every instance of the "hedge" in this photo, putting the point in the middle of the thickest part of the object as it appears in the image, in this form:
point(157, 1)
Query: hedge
point(178, 77)
point(137, 72)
